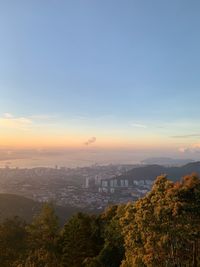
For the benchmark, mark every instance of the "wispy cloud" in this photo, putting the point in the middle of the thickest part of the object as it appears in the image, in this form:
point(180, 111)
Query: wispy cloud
point(8, 115)
point(90, 141)
point(194, 148)
point(138, 125)
point(42, 117)
point(185, 136)
point(10, 121)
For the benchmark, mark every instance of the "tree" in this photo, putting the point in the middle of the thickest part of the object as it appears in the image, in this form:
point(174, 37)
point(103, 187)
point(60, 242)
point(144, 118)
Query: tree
point(112, 251)
point(81, 240)
point(12, 241)
point(162, 229)
point(43, 235)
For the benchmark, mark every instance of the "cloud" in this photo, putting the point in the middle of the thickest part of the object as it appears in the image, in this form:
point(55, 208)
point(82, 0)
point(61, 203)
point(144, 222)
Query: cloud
point(183, 149)
point(138, 125)
point(90, 141)
point(8, 115)
point(195, 148)
point(42, 117)
point(186, 136)
point(10, 121)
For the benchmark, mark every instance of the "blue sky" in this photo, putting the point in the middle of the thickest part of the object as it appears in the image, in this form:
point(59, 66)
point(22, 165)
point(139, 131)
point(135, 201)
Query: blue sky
point(103, 68)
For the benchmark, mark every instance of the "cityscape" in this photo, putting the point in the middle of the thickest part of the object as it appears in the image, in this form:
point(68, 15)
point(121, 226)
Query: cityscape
point(90, 188)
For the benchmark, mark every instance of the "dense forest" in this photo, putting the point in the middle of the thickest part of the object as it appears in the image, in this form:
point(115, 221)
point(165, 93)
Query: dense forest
point(162, 229)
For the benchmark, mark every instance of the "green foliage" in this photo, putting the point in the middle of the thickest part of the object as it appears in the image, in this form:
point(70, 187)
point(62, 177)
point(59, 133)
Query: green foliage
point(113, 251)
point(43, 238)
point(81, 239)
point(40, 258)
point(43, 230)
point(160, 230)
point(12, 241)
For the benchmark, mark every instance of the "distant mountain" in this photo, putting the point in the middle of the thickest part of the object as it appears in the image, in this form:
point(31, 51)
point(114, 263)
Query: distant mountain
point(165, 161)
point(14, 205)
point(150, 172)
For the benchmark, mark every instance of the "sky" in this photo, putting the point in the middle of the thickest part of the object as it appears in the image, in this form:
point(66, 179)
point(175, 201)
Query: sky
point(107, 75)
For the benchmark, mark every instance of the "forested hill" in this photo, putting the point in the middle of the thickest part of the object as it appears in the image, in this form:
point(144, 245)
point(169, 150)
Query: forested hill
point(150, 172)
point(159, 230)
point(14, 205)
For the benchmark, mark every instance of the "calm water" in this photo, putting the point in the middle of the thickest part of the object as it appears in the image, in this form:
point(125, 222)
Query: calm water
point(72, 159)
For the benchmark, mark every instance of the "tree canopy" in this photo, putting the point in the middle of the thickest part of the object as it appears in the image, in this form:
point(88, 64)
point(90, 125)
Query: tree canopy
point(161, 229)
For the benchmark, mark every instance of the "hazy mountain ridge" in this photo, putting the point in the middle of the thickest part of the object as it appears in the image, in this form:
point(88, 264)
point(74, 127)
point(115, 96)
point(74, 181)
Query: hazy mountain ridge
point(166, 161)
point(150, 172)
point(15, 205)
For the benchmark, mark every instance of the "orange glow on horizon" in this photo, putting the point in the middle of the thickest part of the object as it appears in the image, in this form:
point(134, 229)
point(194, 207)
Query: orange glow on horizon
point(24, 140)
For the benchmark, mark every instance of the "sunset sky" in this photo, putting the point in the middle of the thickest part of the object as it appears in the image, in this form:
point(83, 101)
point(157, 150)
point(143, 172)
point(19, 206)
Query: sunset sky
point(103, 74)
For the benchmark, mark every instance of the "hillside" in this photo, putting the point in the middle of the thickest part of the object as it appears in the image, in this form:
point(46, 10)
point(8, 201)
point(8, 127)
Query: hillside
point(14, 205)
point(166, 161)
point(142, 233)
point(150, 172)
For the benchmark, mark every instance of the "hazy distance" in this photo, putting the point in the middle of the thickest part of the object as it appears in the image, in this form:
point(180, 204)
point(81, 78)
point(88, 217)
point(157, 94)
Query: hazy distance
point(89, 156)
